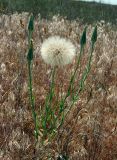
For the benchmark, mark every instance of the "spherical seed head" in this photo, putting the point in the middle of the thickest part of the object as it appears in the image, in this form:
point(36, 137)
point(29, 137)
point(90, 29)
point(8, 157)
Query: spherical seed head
point(57, 51)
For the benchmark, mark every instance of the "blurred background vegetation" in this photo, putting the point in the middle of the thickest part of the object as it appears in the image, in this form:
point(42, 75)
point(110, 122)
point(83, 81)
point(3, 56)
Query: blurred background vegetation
point(87, 11)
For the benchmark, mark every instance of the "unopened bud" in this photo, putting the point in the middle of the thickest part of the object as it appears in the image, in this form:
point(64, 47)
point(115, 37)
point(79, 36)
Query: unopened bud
point(94, 35)
point(83, 37)
point(30, 52)
point(31, 23)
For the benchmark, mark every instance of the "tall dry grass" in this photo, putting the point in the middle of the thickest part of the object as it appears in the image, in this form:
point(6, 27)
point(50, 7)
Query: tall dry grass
point(89, 131)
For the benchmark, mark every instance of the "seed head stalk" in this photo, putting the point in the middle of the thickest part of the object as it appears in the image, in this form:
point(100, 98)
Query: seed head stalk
point(49, 113)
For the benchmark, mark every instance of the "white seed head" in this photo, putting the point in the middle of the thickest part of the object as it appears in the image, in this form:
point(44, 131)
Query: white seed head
point(57, 51)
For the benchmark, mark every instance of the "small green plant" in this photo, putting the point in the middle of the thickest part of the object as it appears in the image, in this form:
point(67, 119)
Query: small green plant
point(30, 58)
point(76, 94)
point(71, 85)
point(53, 115)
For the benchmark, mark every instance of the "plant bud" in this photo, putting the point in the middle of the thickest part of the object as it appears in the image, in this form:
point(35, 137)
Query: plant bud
point(94, 35)
point(31, 23)
point(30, 52)
point(83, 37)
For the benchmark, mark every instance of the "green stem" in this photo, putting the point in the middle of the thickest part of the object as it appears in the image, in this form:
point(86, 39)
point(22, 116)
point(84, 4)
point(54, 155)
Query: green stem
point(51, 93)
point(62, 102)
point(48, 103)
point(87, 69)
point(32, 100)
point(84, 77)
point(71, 80)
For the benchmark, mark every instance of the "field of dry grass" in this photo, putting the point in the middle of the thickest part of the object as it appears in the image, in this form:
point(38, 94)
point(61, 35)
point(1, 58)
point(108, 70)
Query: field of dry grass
point(90, 129)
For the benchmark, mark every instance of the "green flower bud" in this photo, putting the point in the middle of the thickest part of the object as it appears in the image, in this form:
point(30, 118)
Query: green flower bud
point(94, 35)
point(30, 52)
point(31, 23)
point(83, 37)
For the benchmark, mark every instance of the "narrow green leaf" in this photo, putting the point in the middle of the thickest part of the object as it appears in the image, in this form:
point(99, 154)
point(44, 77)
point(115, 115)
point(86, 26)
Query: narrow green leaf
point(61, 106)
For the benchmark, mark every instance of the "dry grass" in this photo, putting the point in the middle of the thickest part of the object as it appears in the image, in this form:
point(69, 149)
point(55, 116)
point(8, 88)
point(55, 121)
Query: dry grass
point(89, 131)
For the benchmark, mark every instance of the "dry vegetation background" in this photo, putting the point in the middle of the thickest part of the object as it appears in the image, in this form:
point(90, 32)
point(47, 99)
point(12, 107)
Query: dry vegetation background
point(90, 129)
